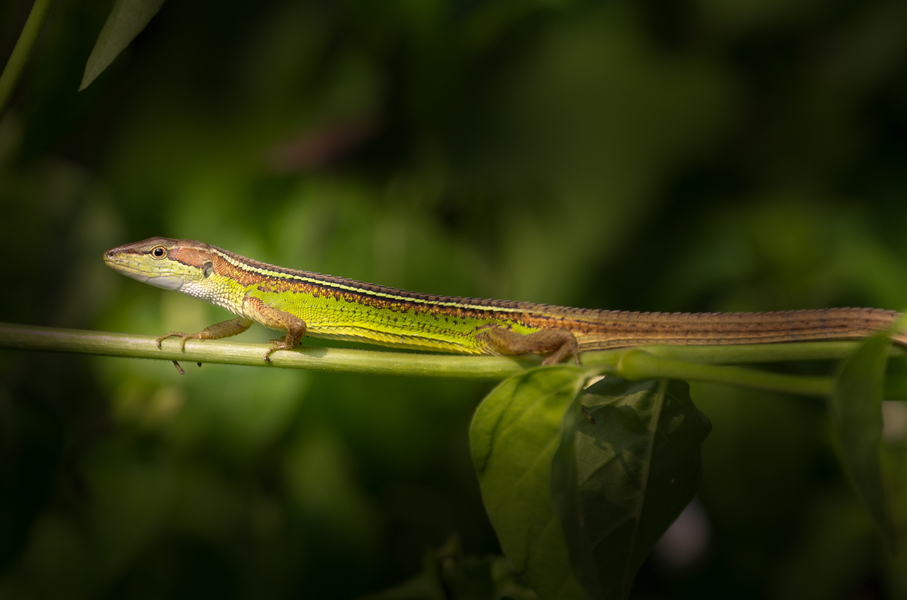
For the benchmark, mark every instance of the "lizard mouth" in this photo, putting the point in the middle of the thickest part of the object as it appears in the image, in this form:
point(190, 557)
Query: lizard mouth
point(168, 281)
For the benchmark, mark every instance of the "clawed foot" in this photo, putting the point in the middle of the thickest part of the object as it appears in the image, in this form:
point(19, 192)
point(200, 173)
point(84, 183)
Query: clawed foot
point(278, 344)
point(183, 337)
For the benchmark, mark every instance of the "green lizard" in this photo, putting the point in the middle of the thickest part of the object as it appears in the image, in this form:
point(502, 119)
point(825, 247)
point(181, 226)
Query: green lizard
point(304, 303)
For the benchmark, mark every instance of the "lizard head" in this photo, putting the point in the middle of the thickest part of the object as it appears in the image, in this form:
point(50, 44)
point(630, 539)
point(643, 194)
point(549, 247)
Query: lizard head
point(162, 262)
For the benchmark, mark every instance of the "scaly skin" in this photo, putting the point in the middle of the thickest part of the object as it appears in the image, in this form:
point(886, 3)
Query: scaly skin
point(304, 303)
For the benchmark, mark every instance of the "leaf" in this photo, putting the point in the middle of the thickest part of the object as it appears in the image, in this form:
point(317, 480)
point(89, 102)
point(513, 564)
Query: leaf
point(856, 409)
point(578, 506)
point(514, 436)
point(638, 466)
point(126, 20)
point(449, 575)
point(565, 496)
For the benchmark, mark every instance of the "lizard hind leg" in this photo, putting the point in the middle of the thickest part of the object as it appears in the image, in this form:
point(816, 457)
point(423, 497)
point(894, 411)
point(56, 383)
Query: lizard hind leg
point(555, 344)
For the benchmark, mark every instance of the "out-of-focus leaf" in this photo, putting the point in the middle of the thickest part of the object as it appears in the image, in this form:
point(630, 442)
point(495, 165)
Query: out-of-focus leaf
point(126, 20)
point(638, 466)
point(856, 409)
point(514, 436)
point(448, 575)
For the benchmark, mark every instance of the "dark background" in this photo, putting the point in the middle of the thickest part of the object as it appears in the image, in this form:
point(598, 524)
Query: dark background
point(653, 155)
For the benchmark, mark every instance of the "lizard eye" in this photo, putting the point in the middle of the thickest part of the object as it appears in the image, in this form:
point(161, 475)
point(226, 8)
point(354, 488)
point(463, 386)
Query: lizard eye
point(158, 251)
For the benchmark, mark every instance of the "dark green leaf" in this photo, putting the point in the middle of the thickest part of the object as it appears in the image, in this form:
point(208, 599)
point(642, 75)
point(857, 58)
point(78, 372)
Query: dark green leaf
point(126, 20)
point(514, 436)
point(638, 466)
point(856, 408)
point(567, 503)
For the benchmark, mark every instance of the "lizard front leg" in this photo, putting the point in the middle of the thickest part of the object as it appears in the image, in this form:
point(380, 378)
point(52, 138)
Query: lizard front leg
point(555, 344)
point(276, 319)
point(214, 332)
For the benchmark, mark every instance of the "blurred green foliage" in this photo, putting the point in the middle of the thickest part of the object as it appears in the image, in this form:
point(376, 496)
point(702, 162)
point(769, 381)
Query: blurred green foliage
point(636, 155)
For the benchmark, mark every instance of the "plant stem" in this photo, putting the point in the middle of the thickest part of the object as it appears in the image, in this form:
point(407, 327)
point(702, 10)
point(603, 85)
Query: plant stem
point(639, 364)
point(651, 362)
point(762, 353)
point(16, 63)
point(28, 337)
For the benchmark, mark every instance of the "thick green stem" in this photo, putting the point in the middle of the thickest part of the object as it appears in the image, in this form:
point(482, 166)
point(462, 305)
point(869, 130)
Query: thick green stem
point(16, 63)
point(761, 353)
point(651, 362)
point(28, 337)
point(639, 365)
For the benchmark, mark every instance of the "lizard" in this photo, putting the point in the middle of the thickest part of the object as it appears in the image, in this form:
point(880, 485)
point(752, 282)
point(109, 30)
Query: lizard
point(304, 303)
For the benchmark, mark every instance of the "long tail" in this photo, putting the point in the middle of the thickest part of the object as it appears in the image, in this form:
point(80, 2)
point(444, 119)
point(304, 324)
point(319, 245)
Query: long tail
point(615, 329)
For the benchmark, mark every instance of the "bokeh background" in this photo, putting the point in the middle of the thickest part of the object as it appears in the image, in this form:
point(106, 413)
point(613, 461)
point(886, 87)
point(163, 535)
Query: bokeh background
point(653, 155)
